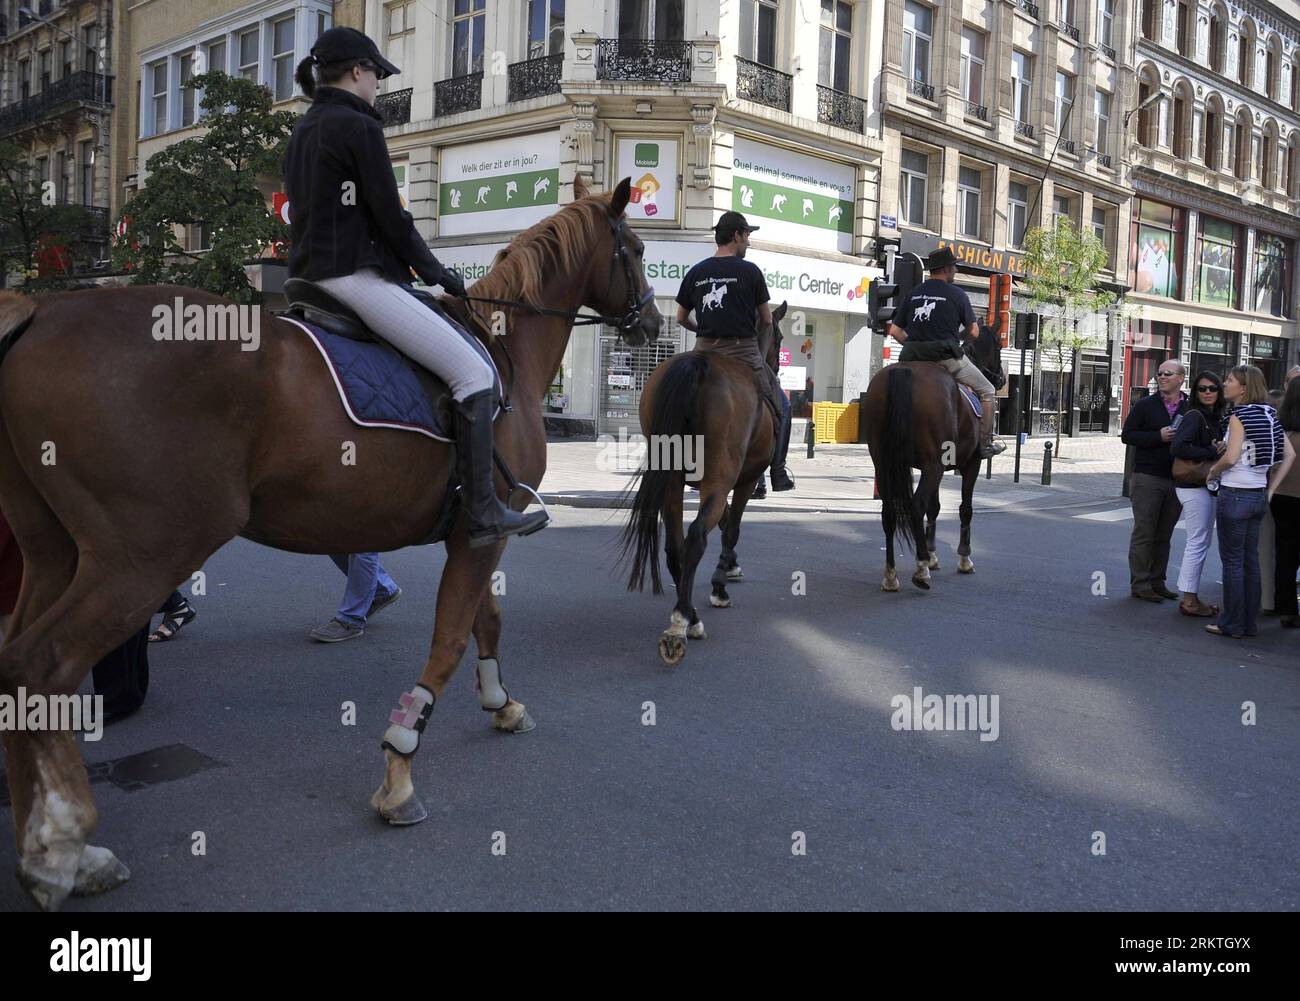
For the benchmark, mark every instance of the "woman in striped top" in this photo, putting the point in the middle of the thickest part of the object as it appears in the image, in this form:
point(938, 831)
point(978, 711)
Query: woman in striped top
point(1256, 445)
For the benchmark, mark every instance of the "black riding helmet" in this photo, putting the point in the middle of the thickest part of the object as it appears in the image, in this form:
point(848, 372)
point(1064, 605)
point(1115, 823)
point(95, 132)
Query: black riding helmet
point(339, 45)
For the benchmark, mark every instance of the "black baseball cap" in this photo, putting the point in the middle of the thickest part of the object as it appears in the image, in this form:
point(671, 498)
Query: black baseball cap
point(339, 45)
point(732, 223)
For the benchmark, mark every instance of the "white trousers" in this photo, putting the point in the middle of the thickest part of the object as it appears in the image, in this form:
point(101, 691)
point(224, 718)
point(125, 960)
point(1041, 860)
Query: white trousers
point(1198, 518)
point(413, 329)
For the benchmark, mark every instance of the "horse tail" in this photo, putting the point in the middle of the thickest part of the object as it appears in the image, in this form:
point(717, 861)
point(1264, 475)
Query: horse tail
point(16, 313)
point(894, 470)
point(674, 406)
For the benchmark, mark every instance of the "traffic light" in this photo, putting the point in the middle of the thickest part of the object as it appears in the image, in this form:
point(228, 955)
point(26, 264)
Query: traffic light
point(888, 294)
point(999, 318)
point(1027, 331)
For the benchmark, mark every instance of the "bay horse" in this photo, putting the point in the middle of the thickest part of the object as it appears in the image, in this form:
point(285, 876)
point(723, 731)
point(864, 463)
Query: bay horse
point(107, 533)
point(713, 400)
point(917, 419)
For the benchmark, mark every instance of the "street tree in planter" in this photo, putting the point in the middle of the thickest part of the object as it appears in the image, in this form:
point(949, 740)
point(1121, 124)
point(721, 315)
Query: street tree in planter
point(210, 180)
point(40, 239)
point(1062, 267)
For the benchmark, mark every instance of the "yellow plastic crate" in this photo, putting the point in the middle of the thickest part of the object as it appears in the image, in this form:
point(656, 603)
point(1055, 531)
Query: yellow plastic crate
point(837, 423)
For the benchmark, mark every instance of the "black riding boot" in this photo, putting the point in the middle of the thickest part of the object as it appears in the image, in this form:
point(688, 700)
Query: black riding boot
point(781, 479)
point(489, 519)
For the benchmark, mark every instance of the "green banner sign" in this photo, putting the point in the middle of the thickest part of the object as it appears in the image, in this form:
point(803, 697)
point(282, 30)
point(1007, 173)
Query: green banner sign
point(504, 191)
point(775, 201)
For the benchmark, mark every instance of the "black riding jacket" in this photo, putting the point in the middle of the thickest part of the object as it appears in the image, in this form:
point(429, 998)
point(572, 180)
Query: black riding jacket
point(336, 231)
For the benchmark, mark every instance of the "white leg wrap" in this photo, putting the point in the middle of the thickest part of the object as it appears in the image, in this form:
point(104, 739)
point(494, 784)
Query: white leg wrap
point(408, 721)
point(491, 693)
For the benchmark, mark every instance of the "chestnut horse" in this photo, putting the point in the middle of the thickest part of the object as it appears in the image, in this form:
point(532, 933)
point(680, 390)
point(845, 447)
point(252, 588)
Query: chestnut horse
point(714, 401)
point(917, 419)
point(107, 532)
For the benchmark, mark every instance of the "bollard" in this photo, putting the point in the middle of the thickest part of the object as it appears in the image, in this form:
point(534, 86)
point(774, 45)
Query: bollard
point(1020, 440)
point(812, 437)
point(1047, 463)
point(988, 469)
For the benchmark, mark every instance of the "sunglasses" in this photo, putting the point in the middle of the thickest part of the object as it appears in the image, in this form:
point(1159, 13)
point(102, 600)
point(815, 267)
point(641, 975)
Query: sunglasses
point(1207, 389)
point(1166, 375)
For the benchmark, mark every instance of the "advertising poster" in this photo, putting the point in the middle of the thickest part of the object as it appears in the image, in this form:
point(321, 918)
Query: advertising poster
point(797, 199)
point(651, 162)
point(1156, 271)
point(498, 186)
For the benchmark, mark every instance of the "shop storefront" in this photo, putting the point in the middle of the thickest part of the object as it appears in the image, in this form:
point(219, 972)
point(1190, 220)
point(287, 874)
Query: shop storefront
point(1212, 351)
point(1267, 355)
point(1149, 344)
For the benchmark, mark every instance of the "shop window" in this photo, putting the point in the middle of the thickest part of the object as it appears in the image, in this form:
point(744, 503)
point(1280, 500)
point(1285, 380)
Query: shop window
point(1272, 274)
point(1157, 239)
point(1216, 263)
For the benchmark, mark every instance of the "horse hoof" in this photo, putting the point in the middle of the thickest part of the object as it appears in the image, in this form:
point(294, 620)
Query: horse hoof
point(513, 718)
point(964, 565)
point(98, 872)
point(922, 582)
point(405, 814)
point(717, 601)
point(735, 573)
point(47, 887)
point(890, 582)
point(695, 631)
point(672, 649)
point(934, 563)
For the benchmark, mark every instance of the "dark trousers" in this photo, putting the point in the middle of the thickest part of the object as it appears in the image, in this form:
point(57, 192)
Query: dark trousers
point(1286, 552)
point(122, 677)
point(1155, 513)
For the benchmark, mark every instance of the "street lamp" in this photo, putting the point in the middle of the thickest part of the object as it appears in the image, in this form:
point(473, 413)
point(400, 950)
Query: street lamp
point(1159, 95)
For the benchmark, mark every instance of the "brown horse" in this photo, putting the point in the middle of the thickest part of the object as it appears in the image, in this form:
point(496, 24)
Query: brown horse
point(916, 419)
point(108, 532)
point(705, 406)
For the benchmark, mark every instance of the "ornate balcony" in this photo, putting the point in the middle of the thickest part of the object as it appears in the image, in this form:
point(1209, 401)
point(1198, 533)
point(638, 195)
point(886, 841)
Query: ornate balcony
point(1029, 7)
point(1024, 129)
point(980, 111)
point(921, 89)
point(763, 84)
point(395, 107)
point(1107, 51)
point(458, 94)
point(834, 107)
point(1104, 160)
point(82, 87)
point(657, 60)
point(535, 77)
point(1067, 146)
point(1070, 30)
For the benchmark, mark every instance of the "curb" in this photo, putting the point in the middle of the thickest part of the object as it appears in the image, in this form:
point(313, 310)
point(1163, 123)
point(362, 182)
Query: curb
point(621, 503)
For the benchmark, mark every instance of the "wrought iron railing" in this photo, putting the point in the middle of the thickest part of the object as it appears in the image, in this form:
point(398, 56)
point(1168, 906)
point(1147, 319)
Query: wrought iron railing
point(1107, 51)
point(1070, 30)
point(980, 111)
point(458, 94)
point(1067, 146)
point(834, 107)
point(1104, 160)
point(535, 77)
point(921, 89)
point(763, 84)
point(1030, 8)
point(659, 60)
point(395, 107)
point(81, 86)
point(1024, 129)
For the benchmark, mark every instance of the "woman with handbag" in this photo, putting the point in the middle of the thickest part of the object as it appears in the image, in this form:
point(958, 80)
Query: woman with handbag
point(1257, 447)
point(1195, 446)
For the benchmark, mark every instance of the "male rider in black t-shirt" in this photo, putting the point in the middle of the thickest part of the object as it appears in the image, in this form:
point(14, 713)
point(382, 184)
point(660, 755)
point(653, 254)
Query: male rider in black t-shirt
point(729, 297)
point(931, 324)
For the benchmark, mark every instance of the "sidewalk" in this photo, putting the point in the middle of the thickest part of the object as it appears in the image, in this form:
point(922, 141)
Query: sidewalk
point(838, 480)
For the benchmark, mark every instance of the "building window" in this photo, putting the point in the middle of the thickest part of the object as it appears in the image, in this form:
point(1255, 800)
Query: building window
point(42, 173)
point(757, 30)
point(1062, 208)
point(835, 43)
point(918, 35)
point(1064, 103)
point(1244, 52)
point(1018, 214)
point(469, 23)
point(658, 19)
point(1271, 79)
point(248, 56)
point(1180, 124)
point(1268, 164)
point(187, 93)
point(1292, 161)
point(217, 58)
point(1106, 23)
point(24, 79)
point(282, 57)
point(1099, 225)
point(1151, 10)
point(86, 156)
point(1216, 263)
point(1103, 122)
point(1272, 254)
point(1213, 138)
point(90, 51)
point(1158, 229)
point(67, 173)
point(1022, 75)
point(1241, 148)
point(1295, 86)
point(1183, 29)
point(400, 18)
point(972, 65)
point(1067, 13)
point(1216, 43)
point(158, 90)
point(323, 23)
point(968, 202)
point(65, 57)
point(912, 189)
point(43, 64)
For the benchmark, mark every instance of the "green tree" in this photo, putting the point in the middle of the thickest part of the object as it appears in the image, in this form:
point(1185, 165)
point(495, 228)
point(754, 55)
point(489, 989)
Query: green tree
point(211, 180)
point(1062, 266)
point(40, 239)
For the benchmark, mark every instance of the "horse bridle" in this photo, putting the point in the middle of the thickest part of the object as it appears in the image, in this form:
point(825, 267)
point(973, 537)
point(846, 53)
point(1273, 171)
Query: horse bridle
point(635, 304)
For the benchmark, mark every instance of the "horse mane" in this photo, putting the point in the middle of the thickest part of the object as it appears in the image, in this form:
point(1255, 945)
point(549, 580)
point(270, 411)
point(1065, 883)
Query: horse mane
point(521, 269)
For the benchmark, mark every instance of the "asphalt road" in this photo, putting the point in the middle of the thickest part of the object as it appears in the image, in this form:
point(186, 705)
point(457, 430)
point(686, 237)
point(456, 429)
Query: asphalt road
point(1114, 716)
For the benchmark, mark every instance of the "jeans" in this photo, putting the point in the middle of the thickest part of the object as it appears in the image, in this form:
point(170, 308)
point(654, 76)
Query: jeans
point(1286, 552)
point(1155, 513)
point(1198, 515)
point(1239, 515)
point(365, 577)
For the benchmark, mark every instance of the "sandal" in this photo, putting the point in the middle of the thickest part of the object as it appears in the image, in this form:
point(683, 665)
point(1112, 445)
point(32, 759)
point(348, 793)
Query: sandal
point(1219, 632)
point(173, 623)
point(1200, 609)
